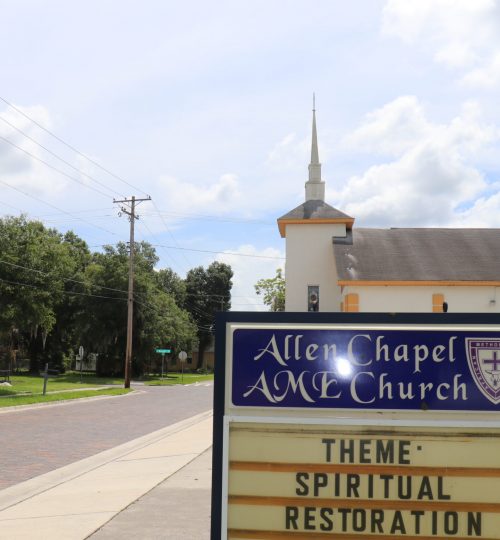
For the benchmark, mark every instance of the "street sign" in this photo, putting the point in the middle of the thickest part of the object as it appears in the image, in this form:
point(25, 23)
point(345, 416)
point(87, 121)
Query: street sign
point(163, 351)
point(81, 351)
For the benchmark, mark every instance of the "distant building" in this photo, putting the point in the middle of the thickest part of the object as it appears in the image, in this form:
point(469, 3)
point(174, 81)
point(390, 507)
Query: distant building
point(333, 266)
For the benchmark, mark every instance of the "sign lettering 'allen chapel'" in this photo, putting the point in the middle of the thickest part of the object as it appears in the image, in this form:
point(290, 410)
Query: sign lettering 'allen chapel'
point(356, 431)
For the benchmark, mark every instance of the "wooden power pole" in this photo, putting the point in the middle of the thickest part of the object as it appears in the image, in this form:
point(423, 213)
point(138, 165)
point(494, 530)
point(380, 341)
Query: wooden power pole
point(130, 211)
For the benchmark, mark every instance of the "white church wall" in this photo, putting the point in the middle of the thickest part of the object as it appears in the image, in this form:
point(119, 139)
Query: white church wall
point(310, 261)
point(418, 299)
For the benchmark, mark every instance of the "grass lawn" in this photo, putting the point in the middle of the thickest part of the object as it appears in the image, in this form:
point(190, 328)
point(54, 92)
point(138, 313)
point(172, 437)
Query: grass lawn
point(177, 378)
point(31, 384)
point(27, 389)
point(29, 399)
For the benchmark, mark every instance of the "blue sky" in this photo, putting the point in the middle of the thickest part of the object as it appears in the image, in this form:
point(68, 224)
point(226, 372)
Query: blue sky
point(206, 106)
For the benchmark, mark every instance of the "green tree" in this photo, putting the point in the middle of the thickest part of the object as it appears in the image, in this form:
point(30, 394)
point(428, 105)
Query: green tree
point(35, 266)
point(207, 291)
point(171, 283)
point(63, 340)
point(273, 291)
point(158, 321)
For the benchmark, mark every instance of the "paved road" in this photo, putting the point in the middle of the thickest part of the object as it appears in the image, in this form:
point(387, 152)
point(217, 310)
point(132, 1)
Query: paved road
point(40, 439)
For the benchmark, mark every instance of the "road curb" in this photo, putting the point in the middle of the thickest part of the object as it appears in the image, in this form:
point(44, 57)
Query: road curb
point(25, 490)
point(14, 408)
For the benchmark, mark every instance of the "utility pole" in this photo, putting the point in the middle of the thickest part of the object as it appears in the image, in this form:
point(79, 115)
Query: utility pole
point(130, 211)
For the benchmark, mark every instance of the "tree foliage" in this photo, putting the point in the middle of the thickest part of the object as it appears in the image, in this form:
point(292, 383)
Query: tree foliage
point(273, 291)
point(55, 295)
point(207, 291)
point(36, 266)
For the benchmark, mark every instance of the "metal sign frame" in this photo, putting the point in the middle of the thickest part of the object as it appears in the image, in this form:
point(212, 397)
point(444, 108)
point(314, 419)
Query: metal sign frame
point(222, 421)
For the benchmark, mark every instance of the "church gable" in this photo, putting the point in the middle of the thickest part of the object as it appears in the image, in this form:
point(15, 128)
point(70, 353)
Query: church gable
point(314, 211)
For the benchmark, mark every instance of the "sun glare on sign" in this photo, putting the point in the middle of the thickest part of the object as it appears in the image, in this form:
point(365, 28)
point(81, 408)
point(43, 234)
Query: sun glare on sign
point(343, 367)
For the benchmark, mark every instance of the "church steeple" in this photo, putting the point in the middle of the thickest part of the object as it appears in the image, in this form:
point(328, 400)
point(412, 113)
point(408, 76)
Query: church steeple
point(315, 187)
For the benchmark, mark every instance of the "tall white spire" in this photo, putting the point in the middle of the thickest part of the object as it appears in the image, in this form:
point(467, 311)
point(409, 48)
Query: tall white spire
point(315, 187)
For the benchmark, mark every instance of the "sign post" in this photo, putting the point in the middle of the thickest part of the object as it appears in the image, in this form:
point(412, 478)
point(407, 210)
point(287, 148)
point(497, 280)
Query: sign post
point(81, 352)
point(182, 357)
point(163, 352)
point(354, 425)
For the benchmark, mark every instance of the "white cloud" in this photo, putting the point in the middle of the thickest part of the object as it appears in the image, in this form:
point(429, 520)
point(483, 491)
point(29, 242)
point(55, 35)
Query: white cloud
point(289, 153)
point(247, 271)
point(462, 35)
point(431, 174)
point(485, 212)
point(19, 168)
point(219, 197)
point(486, 76)
point(391, 129)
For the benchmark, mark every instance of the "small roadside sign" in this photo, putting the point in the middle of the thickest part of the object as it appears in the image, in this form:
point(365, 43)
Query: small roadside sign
point(163, 351)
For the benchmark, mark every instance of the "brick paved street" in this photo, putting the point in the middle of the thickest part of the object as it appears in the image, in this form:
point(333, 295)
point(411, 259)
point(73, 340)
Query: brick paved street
point(38, 440)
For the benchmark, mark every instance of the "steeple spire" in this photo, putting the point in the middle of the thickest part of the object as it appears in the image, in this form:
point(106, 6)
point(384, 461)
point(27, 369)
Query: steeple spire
point(315, 187)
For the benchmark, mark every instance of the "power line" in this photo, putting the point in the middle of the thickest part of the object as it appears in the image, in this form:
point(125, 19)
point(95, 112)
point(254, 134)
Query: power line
point(84, 211)
point(60, 277)
point(174, 261)
point(222, 252)
point(57, 208)
point(70, 146)
point(209, 217)
point(170, 233)
point(57, 157)
point(211, 251)
point(55, 168)
point(62, 292)
point(184, 216)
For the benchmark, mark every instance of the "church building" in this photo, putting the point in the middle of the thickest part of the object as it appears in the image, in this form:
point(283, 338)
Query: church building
point(333, 266)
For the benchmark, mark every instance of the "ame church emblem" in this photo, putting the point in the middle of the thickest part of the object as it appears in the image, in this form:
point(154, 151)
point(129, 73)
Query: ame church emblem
point(483, 355)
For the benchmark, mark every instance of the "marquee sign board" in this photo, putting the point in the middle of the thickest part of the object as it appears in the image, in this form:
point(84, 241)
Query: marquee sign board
point(356, 425)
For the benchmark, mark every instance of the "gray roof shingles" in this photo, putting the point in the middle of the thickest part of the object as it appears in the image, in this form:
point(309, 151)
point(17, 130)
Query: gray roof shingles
point(315, 209)
point(420, 255)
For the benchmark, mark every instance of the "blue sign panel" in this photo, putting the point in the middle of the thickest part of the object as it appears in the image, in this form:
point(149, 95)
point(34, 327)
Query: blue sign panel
point(394, 369)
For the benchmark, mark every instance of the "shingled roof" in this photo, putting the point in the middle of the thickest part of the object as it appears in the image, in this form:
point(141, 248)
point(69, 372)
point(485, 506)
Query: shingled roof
point(419, 255)
point(315, 209)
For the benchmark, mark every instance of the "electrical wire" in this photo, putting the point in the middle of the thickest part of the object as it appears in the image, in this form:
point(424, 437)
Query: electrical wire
point(143, 224)
point(63, 279)
point(209, 217)
point(55, 207)
point(211, 251)
point(70, 146)
point(222, 252)
point(58, 157)
point(55, 168)
point(62, 292)
point(170, 233)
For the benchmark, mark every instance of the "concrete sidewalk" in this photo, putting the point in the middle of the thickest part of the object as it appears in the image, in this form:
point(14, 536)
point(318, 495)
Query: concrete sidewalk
point(177, 509)
point(73, 502)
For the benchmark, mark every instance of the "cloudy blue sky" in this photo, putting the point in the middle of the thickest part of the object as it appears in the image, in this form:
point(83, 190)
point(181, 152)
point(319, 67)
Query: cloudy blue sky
point(206, 106)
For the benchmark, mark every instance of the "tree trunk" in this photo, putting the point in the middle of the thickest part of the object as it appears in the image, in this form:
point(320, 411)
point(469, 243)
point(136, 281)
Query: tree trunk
point(34, 349)
point(201, 354)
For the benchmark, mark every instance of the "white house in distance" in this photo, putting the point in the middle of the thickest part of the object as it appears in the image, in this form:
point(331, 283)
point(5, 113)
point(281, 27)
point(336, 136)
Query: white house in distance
point(333, 266)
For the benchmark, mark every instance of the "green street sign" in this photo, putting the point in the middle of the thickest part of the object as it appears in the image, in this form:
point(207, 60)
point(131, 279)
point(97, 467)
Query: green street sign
point(163, 351)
